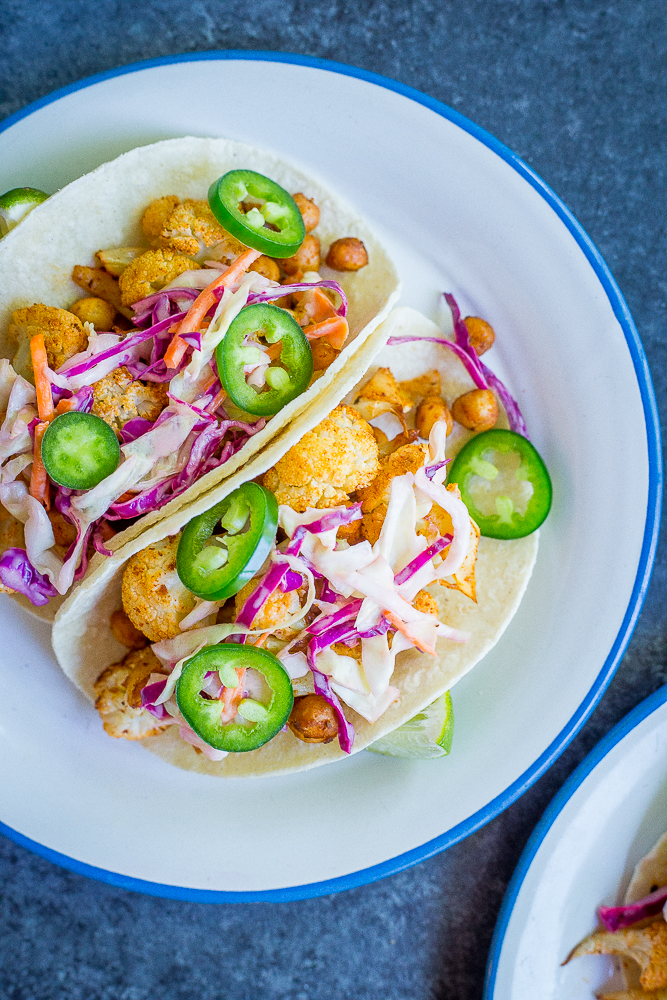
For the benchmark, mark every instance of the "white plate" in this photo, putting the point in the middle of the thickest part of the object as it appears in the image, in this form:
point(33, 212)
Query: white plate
point(462, 213)
point(605, 818)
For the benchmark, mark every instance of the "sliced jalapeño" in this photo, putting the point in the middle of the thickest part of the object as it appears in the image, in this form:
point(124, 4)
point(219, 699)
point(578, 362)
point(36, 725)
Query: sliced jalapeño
point(260, 715)
point(286, 376)
point(503, 482)
point(217, 566)
point(79, 450)
point(258, 212)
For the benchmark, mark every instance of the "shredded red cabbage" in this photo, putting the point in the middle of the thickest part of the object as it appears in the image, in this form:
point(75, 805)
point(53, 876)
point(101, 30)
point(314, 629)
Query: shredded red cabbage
point(18, 573)
point(472, 367)
point(149, 696)
point(321, 625)
point(98, 542)
point(301, 286)
point(413, 567)
point(430, 470)
point(345, 728)
point(615, 918)
point(337, 633)
point(120, 349)
point(482, 376)
point(134, 428)
point(275, 576)
point(291, 582)
point(514, 414)
point(157, 302)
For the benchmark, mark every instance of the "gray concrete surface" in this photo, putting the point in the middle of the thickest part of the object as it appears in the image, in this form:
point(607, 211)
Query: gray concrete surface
point(577, 88)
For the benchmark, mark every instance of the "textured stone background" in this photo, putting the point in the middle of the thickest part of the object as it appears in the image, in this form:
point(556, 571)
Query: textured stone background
point(577, 88)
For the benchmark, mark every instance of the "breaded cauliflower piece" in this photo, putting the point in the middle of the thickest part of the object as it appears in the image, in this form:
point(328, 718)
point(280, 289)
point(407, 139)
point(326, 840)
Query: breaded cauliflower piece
point(338, 456)
point(155, 217)
point(117, 399)
point(426, 602)
point(375, 498)
point(278, 608)
point(189, 227)
point(154, 598)
point(409, 458)
point(151, 272)
point(64, 336)
point(118, 717)
point(645, 945)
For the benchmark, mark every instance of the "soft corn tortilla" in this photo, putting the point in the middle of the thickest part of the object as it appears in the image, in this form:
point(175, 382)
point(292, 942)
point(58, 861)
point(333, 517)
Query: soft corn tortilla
point(84, 645)
point(103, 209)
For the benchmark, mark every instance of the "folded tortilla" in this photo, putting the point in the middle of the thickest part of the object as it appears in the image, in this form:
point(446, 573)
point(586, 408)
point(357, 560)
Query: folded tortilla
point(103, 209)
point(84, 645)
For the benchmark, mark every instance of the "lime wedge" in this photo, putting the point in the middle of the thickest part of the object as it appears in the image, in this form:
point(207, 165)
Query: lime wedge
point(428, 734)
point(15, 205)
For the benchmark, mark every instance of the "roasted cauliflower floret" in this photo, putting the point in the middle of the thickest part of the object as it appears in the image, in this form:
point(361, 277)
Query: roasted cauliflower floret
point(409, 458)
point(375, 498)
point(189, 227)
point(155, 217)
point(119, 717)
point(117, 399)
point(151, 272)
point(426, 603)
point(154, 598)
point(64, 336)
point(338, 456)
point(278, 609)
point(645, 945)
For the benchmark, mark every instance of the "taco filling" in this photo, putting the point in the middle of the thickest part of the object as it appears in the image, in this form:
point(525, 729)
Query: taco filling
point(288, 603)
point(636, 931)
point(180, 351)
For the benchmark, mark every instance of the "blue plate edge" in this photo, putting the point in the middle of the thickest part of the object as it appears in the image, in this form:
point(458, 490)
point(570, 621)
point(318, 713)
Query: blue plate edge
point(629, 722)
point(646, 558)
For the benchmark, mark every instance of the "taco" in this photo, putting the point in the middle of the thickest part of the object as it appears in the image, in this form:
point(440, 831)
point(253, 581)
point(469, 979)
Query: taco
point(166, 316)
point(339, 557)
point(636, 931)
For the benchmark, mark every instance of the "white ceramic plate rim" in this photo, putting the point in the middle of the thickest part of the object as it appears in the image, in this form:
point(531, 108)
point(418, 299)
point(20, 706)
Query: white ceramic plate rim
point(646, 559)
point(584, 774)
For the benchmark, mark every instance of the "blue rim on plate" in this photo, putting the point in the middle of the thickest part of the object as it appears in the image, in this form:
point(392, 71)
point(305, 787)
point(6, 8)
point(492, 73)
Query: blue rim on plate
point(551, 814)
point(646, 559)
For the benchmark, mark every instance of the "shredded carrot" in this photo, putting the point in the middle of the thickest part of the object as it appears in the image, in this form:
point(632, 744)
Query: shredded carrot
point(335, 329)
point(202, 304)
point(403, 627)
point(261, 639)
point(64, 406)
point(230, 697)
point(42, 384)
point(316, 305)
point(39, 481)
point(217, 401)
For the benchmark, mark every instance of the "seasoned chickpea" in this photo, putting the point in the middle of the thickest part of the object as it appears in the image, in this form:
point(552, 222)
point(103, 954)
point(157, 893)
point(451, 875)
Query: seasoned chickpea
point(96, 311)
point(266, 266)
point(481, 334)
point(348, 254)
point(477, 410)
point(430, 410)
point(313, 720)
point(307, 257)
point(309, 211)
point(323, 354)
point(125, 632)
